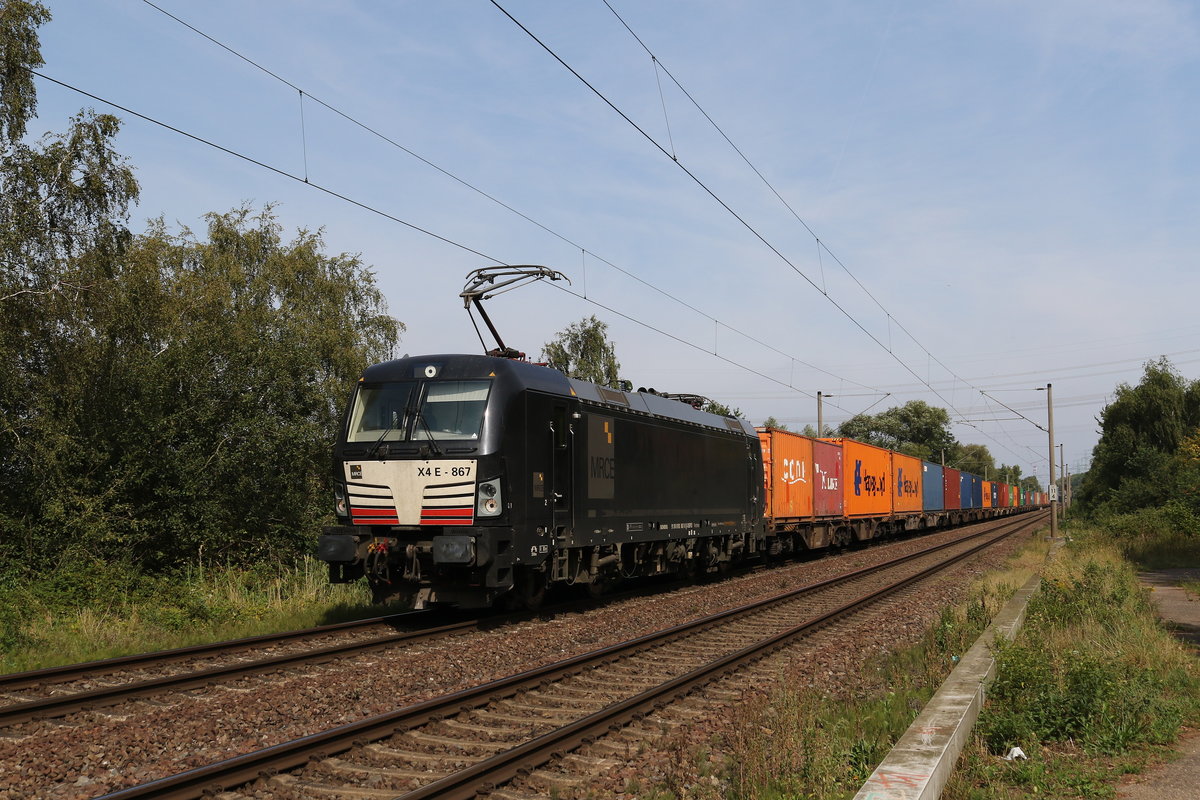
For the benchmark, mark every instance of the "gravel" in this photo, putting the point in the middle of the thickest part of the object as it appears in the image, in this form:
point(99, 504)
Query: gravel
point(102, 751)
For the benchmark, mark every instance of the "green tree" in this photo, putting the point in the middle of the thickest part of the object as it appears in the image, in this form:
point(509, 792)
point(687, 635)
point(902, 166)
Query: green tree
point(583, 351)
point(771, 422)
point(915, 428)
point(973, 458)
point(1141, 431)
point(165, 399)
point(713, 407)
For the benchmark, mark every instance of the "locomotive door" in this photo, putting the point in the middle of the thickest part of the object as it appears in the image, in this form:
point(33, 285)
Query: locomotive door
point(561, 475)
point(549, 449)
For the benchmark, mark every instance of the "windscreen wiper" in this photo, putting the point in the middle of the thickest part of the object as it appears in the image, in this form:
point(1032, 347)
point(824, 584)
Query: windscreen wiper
point(428, 433)
point(391, 427)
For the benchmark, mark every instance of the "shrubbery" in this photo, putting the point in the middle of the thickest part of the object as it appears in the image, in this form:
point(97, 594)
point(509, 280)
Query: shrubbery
point(1091, 680)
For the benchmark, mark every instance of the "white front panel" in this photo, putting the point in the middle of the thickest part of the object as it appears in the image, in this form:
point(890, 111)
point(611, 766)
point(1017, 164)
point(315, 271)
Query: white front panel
point(411, 492)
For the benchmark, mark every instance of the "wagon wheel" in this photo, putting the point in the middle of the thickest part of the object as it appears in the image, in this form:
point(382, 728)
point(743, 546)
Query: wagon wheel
point(841, 538)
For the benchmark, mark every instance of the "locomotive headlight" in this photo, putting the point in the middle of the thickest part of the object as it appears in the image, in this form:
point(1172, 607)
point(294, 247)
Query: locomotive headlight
point(488, 498)
point(339, 501)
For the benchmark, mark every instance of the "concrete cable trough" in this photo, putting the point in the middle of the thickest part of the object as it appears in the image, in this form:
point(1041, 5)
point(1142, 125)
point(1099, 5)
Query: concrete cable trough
point(920, 764)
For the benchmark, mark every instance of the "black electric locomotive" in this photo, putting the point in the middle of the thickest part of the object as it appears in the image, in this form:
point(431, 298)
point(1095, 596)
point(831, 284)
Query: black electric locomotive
point(468, 480)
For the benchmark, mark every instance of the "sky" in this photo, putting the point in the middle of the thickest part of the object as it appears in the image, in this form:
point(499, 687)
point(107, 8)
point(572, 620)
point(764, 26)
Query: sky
point(956, 202)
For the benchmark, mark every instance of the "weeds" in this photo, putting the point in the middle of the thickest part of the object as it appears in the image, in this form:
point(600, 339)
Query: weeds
point(124, 612)
point(800, 741)
point(1088, 687)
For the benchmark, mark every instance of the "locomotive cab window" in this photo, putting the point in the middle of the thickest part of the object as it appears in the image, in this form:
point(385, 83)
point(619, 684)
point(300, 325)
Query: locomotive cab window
point(453, 409)
point(380, 412)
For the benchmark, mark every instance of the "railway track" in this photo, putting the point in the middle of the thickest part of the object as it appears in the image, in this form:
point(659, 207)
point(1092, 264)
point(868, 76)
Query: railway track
point(480, 738)
point(58, 691)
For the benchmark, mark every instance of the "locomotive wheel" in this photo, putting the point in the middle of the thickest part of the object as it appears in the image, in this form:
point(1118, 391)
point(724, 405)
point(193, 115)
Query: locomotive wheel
point(529, 588)
point(602, 584)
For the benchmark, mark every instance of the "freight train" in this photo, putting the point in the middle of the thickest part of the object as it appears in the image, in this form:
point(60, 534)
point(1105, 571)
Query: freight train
point(470, 480)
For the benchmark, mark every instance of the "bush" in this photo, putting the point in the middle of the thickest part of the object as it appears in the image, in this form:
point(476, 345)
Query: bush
point(1091, 667)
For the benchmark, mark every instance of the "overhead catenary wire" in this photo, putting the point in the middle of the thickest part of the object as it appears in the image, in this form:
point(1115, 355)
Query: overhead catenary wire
point(820, 245)
point(466, 184)
point(366, 207)
point(742, 220)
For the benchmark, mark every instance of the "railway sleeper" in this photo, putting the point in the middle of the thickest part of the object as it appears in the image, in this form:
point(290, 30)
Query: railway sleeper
point(307, 788)
point(554, 701)
point(552, 780)
point(560, 713)
point(523, 720)
point(488, 726)
point(342, 767)
point(444, 742)
point(391, 754)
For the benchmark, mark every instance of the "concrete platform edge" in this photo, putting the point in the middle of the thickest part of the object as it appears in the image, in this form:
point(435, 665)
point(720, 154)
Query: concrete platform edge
point(920, 764)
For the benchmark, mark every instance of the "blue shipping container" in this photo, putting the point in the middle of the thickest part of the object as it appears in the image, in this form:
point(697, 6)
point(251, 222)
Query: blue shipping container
point(972, 491)
point(933, 493)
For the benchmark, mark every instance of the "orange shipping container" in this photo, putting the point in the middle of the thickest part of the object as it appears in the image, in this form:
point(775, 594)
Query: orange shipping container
point(907, 474)
point(987, 494)
point(868, 481)
point(788, 473)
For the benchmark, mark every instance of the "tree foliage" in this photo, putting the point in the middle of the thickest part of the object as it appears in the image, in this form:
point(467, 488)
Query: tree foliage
point(165, 398)
point(973, 458)
point(584, 352)
point(720, 409)
point(915, 428)
point(1147, 435)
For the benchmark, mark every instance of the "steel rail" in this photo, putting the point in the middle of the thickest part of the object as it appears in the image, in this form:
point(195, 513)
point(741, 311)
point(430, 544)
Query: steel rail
point(470, 781)
point(88, 669)
point(216, 777)
point(61, 705)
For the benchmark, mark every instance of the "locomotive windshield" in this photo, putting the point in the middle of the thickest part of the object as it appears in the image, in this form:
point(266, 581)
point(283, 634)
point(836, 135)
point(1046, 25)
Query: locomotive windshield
point(454, 409)
point(448, 410)
point(381, 413)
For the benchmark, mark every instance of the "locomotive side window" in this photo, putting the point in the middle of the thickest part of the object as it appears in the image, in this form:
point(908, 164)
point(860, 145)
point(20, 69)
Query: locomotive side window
point(454, 409)
point(380, 413)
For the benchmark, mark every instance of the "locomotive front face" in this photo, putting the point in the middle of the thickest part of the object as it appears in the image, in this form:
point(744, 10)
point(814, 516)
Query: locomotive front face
point(419, 492)
point(440, 418)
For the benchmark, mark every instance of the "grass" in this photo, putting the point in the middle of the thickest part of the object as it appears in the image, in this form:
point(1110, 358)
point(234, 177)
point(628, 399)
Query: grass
point(799, 740)
point(1153, 538)
point(44, 625)
point(1093, 687)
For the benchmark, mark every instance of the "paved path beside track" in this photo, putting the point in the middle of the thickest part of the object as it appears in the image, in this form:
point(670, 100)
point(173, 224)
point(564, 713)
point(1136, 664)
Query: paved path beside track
point(1179, 779)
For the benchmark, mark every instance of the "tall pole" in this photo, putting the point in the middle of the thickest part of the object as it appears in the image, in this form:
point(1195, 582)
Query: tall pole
point(820, 417)
point(1053, 478)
